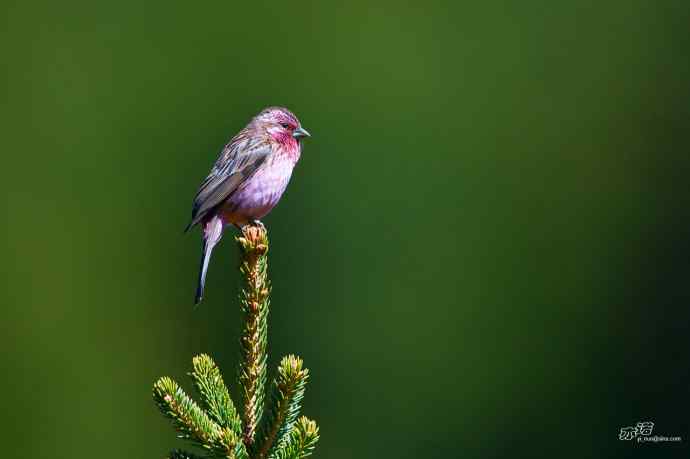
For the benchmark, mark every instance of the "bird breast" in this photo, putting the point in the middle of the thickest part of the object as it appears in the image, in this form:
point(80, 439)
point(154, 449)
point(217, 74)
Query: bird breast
point(258, 195)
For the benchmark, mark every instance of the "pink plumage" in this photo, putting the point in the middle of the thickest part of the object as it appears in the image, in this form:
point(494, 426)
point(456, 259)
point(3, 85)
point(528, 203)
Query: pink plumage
point(248, 179)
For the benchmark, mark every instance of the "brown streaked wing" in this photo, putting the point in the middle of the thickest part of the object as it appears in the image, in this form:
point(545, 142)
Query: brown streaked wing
point(237, 163)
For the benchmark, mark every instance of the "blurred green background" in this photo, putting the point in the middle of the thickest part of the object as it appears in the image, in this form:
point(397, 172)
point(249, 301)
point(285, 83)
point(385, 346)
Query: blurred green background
point(483, 251)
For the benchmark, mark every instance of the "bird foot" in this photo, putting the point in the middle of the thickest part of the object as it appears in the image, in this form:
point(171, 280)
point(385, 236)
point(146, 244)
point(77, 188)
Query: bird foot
point(251, 224)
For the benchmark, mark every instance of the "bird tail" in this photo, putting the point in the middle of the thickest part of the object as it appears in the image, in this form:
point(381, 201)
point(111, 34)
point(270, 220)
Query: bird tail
point(213, 231)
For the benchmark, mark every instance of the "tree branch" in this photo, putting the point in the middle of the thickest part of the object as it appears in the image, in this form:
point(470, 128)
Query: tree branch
point(216, 426)
point(255, 303)
point(288, 391)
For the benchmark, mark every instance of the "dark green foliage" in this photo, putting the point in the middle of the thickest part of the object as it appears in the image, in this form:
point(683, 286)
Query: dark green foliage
point(215, 425)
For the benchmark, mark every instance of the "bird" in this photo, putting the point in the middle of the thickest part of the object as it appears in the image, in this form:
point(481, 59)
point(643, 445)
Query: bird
point(247, 180)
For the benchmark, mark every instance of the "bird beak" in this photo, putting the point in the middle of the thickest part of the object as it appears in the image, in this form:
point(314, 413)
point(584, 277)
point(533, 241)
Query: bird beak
point(300, 132)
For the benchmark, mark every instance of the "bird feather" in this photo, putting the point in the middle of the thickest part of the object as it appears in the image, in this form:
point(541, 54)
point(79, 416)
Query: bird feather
point(238, 162)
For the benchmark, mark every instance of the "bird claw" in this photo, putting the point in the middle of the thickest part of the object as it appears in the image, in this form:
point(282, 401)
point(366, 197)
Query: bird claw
point(254, 234)
point(254, 223)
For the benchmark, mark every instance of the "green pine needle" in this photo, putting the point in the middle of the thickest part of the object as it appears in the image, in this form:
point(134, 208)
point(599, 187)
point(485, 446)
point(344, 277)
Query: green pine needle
point(286, 396)
point(189, 420)
point(255, 305)
point(214, 393)
point(216, 426)
point(192, 422)
point(301, 441)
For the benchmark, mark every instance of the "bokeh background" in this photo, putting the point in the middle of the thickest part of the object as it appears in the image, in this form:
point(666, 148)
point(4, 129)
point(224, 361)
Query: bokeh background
point(483, 251)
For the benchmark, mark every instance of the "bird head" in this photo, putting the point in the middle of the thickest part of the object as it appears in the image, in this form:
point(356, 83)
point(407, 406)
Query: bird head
point(282, 126)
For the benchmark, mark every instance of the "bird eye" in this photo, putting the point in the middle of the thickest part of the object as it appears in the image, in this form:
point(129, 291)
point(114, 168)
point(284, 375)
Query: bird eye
point(285, 125)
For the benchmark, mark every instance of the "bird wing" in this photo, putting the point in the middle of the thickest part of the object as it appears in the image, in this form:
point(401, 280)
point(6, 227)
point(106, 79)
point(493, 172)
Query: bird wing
point(238, 161)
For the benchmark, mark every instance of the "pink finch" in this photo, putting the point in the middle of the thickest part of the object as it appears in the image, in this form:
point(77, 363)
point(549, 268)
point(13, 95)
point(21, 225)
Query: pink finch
point(248, 178)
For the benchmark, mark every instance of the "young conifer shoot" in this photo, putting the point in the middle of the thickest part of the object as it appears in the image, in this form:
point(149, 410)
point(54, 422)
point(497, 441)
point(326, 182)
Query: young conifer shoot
point(214, 425)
